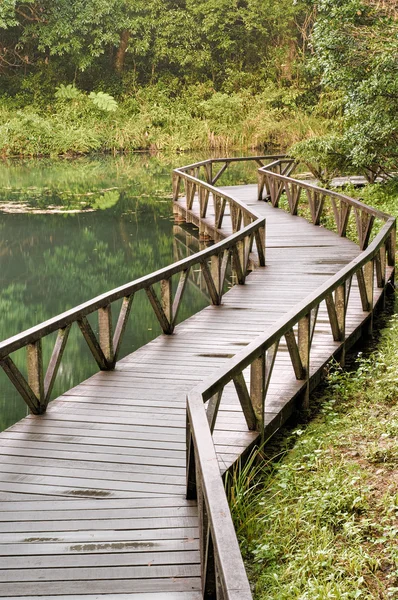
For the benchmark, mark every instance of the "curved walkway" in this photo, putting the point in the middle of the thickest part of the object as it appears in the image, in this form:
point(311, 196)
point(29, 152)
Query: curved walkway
point(93, 492)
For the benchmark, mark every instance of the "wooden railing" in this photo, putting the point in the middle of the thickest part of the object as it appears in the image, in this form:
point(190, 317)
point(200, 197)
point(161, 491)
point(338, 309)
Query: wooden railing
point(223, 573)
point(273, 184)
point(214, 263)
point(187, 183)
point(187, 243)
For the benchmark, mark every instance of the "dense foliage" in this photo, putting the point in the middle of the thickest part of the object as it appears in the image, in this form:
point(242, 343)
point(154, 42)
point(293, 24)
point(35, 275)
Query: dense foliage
point(318, 520)
point(117, 75)
point(355, 46)
point(142, 41)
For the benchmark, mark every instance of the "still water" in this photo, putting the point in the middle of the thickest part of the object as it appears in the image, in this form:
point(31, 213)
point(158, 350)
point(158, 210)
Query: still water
point(72, 229)
point(52, 258)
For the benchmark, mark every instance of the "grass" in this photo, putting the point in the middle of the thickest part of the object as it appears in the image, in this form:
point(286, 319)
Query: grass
point(317, 517)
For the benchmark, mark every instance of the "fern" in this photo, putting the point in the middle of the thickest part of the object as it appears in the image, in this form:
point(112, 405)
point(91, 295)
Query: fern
point(103, 101)
point(67, 92)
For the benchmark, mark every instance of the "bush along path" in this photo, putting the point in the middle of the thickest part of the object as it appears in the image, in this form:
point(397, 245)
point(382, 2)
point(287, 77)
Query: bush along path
point(319, 517)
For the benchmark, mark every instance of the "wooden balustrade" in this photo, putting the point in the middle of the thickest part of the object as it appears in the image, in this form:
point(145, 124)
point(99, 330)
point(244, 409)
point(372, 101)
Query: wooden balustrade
point(197, 181)
point(248, 231)
point(222, 569)
point(294, 332)
point(274, 182)
point(105, 347)
point(225, 578)
point(207, 167)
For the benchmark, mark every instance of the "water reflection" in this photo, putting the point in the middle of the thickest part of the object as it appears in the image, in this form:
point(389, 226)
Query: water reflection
point(117, 227)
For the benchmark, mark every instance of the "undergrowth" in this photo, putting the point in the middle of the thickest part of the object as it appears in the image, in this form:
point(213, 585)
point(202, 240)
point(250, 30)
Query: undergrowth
point(153, 119)
point(317, 516)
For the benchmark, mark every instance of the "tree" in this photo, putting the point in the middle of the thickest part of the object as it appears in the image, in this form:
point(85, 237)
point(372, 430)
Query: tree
point(355, 46)
point(190, 39)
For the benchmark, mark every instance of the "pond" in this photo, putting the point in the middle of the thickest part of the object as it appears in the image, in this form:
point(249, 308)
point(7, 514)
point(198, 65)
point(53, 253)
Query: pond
point(72, 229)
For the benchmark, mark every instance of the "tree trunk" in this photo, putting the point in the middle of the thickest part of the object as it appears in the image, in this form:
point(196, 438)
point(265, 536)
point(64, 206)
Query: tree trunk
point(121, 51)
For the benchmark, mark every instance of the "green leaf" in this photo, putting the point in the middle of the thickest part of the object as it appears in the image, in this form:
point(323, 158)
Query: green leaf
point(67, 92)
point(103, 101)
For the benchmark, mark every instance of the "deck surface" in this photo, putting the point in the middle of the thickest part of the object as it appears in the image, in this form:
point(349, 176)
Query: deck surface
point(92, 493)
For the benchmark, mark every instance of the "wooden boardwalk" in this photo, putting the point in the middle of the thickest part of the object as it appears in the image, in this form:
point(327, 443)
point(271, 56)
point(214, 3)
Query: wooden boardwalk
point(93, 492)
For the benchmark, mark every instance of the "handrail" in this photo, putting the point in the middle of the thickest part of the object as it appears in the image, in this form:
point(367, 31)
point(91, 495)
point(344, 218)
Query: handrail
point(35, 333)
point(285, 324)
point(188, 176)
point(278, 183)
point(235, 251)
point(312, 187)
point(222, 569)
point(223, 573)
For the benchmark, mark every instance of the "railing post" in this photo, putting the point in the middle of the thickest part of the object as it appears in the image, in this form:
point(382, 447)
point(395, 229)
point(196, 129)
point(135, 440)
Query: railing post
point(337, 311)
point(241, 247)
point(260, 185)
point(341, 312)
point(106, 334)
point(208, 560)
point(191, 483)
point(368, 273)
point(55, 361)
point(261, 245)
point(35, 370)
point(304, 341)
point(176, 182)
point(21, 385)
point(166, 294)
point(391, 250)
point(209, 172)
point(121, 324)
point(93, 344)
point(215, 270)
point(380, 261)
point(392, 242)
point(257, 389)
point(340, 302)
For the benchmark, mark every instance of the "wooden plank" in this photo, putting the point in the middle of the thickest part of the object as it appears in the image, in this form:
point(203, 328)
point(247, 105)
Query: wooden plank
point(80, 525)
point(98, 560)
point(145, 458)
point(134, 573)
point(87, 474)
point(96, 483)
point(74, 492)
point(85, 540)
point(131, 596)
point(152, 456)
point(101, 586)
point(42, 549)
point(77, 463)
point(98, 513)
point(149, 446)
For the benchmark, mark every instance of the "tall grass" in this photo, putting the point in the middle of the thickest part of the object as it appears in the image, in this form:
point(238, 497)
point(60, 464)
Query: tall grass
point(156, 122)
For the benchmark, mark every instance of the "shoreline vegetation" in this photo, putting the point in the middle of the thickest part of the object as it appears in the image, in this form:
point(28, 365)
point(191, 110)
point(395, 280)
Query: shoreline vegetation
point(199, 120)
